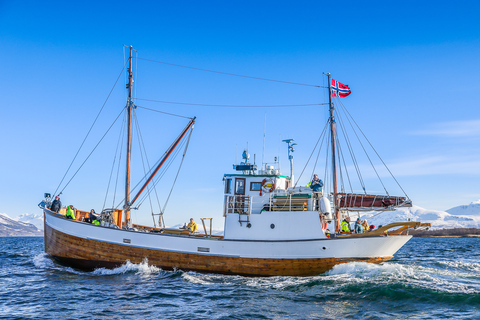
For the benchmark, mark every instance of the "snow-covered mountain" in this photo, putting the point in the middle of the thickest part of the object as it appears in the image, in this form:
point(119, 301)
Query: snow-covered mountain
point(472, 209)
point(11, 228)
point(458, 217)
point(35, 219)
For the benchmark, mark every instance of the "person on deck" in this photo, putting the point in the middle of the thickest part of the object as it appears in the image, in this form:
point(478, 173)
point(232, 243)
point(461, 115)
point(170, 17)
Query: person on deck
point(91, 216)
point(358, 226)
point(56, 204)
point(365, 225)
point(70, 213)
point(316, 184)
point(192, 225)
point(345, 225)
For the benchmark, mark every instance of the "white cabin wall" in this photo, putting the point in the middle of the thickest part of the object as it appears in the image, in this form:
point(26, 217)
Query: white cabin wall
point(288, 225)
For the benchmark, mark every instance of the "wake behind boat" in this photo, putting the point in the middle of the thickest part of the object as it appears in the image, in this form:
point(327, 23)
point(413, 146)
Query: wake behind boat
point(272, 226)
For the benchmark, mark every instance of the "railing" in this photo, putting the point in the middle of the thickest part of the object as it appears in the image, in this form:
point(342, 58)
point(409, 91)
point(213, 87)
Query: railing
point(237, 204)
point(285, 202)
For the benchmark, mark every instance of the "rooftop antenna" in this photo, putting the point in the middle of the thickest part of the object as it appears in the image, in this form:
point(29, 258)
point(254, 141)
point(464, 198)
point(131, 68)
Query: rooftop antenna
point(279, 144)
point(264, 130)
point(290, 145)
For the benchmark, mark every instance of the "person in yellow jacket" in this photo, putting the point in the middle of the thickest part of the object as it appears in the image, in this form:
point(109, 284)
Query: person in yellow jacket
point(192, 225)
point(345, 225)
point(70, 213)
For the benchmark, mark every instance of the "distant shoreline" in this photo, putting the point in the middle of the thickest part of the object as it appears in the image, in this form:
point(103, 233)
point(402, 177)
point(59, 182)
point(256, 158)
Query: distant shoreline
point(451, 233)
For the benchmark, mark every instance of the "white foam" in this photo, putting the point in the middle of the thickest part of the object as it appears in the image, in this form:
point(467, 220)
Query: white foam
point(43, 261)
point(141, 269)
point(443, 280)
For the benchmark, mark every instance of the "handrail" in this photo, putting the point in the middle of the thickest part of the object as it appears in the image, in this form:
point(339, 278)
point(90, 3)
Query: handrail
point(383, 231)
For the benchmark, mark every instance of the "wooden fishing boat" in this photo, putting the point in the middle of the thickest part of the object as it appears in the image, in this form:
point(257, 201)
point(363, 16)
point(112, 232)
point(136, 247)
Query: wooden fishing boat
point(272, 226)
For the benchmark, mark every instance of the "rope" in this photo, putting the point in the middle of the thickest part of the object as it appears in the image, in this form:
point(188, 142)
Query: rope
point(376, 152)
point(179, 168)
point(114, 161)
point(365, 151)
point(311, 154)
point(170, 114)
point(230, 106)
point(350, 150)
point(162, 173)
point(232, 74)
point(89, 130)
point(158, 176)
point(142, 146)
point(119, 160)
point(92, 150)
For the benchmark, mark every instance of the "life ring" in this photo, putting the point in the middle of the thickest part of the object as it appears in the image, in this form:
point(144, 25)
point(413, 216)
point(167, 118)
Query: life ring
point(268, 185)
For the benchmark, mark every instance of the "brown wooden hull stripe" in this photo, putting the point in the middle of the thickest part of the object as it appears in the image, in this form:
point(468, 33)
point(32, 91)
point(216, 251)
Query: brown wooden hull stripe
point(89, 254)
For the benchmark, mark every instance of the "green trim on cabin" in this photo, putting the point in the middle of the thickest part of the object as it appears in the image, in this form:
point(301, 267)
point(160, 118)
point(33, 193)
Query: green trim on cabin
point(255, 175)
point(297, 195)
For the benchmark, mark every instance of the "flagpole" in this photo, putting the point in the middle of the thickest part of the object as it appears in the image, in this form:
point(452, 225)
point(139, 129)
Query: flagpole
point(334, 154)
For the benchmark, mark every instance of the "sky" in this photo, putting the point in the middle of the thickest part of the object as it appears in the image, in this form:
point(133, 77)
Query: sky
point(412, 66)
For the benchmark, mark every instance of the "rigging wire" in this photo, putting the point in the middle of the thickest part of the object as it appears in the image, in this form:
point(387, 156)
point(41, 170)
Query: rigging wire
point(179, 168)
point(114, 161)
point(311, 154)
point(123, 134)
point(89, 130)
point(375, 150)
point(159, 176)
point(142, 146)
point(365, 151)
point(340, 158)
point(318, 153)
point(233, 106)
point(162, 173)
point(170, 114)
point(231, 74)
point(327, 172)
point(350, 149)
point(101, 139)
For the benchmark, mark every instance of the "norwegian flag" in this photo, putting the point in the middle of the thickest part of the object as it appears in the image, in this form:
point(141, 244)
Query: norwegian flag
point(339, 89)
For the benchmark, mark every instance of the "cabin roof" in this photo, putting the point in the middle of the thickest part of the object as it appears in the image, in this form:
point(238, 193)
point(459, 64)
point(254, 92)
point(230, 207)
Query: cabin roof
point(254, 175)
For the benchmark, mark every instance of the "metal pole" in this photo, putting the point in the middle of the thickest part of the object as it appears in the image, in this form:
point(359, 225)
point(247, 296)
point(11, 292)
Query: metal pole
point(334, 154)
point(126, 206)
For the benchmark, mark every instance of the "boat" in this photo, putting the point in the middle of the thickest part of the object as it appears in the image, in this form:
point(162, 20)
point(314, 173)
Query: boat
point(272, 226)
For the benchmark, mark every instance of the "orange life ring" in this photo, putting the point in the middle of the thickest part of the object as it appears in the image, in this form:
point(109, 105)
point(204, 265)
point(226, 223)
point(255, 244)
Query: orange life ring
point(268, 187)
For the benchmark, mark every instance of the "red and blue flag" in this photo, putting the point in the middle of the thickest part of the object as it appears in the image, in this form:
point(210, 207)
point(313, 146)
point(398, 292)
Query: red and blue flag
point(339, 89)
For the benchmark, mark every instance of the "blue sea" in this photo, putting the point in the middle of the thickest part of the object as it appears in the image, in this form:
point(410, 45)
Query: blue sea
point(429, 278)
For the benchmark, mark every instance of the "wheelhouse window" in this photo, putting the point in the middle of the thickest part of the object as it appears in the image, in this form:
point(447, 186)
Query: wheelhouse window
point(255, 186)
point(240, 186)
point(228, 186)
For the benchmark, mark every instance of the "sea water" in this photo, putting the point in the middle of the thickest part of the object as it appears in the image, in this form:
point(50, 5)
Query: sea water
point(429, 278)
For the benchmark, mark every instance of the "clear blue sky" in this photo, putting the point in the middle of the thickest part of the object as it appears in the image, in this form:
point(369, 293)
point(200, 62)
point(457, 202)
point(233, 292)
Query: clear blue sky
point(413, 67)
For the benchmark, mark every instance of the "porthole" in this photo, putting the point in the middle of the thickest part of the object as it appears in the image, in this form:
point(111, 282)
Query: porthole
point(272, 226)
point(249, 225)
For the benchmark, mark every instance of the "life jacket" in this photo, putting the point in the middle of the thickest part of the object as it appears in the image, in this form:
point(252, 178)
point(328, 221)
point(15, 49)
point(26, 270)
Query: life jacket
point(96, 222)
point(70, 214)
point(345, 226)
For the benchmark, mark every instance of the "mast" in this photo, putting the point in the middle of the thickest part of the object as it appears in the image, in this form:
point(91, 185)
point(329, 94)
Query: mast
point(130, 107)
point(334, 154)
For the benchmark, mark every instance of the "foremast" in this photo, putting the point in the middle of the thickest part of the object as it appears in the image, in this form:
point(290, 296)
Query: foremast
point(130, 106)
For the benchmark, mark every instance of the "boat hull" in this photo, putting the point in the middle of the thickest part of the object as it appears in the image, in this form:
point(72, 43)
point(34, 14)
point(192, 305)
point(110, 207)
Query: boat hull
point(72, 243)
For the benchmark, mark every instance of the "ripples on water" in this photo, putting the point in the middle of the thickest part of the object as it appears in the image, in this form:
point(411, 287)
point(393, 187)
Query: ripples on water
point(429, 278)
